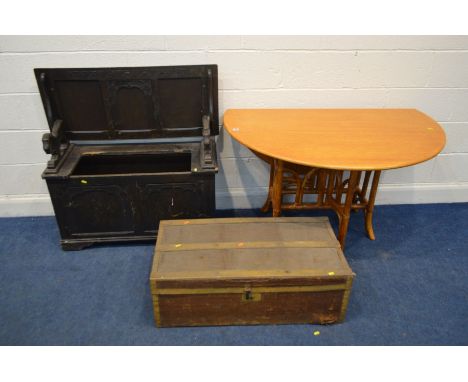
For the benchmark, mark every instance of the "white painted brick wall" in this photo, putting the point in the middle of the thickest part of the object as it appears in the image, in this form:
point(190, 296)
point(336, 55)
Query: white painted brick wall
point(429, 73)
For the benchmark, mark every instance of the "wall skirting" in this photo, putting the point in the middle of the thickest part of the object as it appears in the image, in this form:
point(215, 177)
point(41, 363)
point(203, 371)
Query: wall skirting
point(25, 205)
point(419, 193)
point(416, 193)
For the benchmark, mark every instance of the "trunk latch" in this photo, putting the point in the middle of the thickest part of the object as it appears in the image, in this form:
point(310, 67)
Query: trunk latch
point(248, 295)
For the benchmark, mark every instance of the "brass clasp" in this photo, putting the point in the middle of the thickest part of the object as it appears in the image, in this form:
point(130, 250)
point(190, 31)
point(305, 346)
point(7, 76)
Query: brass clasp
point(248, 295)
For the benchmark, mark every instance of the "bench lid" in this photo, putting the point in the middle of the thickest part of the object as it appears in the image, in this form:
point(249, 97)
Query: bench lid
point(247, 248)
point(130, 103)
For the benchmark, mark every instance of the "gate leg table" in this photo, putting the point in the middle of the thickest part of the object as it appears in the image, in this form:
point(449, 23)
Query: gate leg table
point(335, 154)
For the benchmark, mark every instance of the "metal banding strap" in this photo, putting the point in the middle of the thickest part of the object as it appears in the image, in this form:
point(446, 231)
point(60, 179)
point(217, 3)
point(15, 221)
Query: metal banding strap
point(344, 305)
point(187, 291)
point(320, 220)
point(247, 245)
point(252, 273)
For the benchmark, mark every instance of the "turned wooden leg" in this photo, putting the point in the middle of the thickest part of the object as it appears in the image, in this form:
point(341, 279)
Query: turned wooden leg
point(277, 187)
point(346, 209)
point(267, 205)
point(370, 205)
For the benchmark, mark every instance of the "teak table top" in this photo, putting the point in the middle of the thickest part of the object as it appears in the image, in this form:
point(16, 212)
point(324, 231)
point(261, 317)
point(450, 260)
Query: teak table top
point(341, 139)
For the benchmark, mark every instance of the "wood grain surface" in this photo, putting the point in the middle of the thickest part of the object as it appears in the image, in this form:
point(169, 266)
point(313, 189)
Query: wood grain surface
point(344, 139)
point(229, 309)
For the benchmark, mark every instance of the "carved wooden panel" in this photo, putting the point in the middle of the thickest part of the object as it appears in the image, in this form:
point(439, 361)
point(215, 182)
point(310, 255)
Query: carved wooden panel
point(180, 103)
point(80, 105)
point(172, 201)
point(97, 211)
point(131, 104)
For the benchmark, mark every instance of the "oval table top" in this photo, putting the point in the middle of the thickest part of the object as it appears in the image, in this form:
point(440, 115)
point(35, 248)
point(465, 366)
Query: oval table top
point(341, 139)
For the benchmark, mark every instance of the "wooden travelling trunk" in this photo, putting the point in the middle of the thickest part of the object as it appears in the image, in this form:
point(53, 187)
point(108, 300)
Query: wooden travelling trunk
point(249, 271)
point(129, 146)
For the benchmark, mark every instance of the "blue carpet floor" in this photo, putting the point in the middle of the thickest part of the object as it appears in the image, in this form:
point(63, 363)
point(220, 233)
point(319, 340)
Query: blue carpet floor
point(411, 287)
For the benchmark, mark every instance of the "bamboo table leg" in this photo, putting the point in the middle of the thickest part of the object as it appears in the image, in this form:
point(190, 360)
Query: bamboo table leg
point(277, 188)
point(346, 209)
point(329, 189)
point(268, 203)
point(370, 205)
